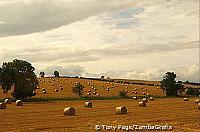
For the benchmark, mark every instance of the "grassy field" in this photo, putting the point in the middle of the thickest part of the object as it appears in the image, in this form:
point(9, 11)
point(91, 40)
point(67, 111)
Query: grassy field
point(48, 116)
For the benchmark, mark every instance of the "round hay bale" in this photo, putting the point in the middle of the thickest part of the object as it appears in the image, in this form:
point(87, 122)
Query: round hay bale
point(185, 99)
point(94, 92)
point(44, 92)
point(151, 98)
point(43, 89)
point(19, 103)
point(88, 104)
point(197, 101)
point(107, 89)
point(8, 101)
point(69, 111)
point(135, 98)
point(88, 93)
point(37, 87)
point(148, 94)
point(142, 104)
point(98, 94)
point(145, 100)
point(61, 88)
point(121, 110)
point(56, 90)
point(198, 106)
point(3, 105)
point(135, 92)
point(89, 90)
point(52, 84)
point(95, 89)
point(143, 93)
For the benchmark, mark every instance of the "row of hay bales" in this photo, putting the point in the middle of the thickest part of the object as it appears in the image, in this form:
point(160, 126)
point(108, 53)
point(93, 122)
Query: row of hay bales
point(70, 111)
point(3, 105)
point(107, 85)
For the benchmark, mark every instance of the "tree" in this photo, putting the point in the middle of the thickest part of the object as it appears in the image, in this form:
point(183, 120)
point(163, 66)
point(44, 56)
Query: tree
point(56, 74)
point(102, 78)
point(78, 89)
point(170, 86)
point(20, 75)
point(42, 74)
point(122, 94)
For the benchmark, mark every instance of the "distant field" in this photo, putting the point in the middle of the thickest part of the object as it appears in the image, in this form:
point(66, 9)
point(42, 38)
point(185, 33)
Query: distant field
point(100, 86)
point(49, 117)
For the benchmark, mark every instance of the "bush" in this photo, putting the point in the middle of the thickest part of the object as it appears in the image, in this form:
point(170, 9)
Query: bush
point(122, 94)
point(193, 92)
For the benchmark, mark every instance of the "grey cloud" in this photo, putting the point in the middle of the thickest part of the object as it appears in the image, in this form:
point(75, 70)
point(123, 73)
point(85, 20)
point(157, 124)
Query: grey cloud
point(147, 48)
point(28, 16)
point(71, 70)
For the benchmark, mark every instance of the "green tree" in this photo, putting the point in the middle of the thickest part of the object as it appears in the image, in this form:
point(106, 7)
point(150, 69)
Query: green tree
point(170, 86)
point(122, 94)
point(42, 74)
point(56, 74)
point(78, 89)
point(19, 74)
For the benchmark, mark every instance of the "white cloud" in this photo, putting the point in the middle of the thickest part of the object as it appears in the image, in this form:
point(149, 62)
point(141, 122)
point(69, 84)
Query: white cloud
point(140, 40)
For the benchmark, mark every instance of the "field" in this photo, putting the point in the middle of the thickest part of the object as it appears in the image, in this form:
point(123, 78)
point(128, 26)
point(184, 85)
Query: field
point(33, 117)
point(100, 86)
point(48, 116)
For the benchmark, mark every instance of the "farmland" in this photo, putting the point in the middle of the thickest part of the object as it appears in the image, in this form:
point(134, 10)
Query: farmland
point(48, 115)
point(50, 84)
point(183, 116)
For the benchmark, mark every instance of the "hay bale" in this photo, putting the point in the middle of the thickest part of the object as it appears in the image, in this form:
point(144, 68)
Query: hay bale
point(89, 90)
point(52, 84)
point(95, 89)
point(88, 104)
point(151, 98)
point(19, 103)
point(43, 89)
point(8, 101)
point(135, 92)
point(98, 94)
point(198, 106)
point(145, 100)
point(121, 110)
point(94, 92)
point(56, 90)
point(44, 92)
point(134, 98)
point(69, 111)
point(142, 104)
point(197, 101)
point(185, 99)
point(88, 93)
point(61, 88)
point(107, 89)
point(143, 93)
point(148, 94)
point(3, 105)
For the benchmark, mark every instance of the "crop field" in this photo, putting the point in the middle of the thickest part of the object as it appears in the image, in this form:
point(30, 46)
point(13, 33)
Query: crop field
point(34, 117)
point(99, 87)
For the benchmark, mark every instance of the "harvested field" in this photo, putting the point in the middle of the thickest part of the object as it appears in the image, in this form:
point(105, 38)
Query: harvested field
point(48, 116)
point(100, 87)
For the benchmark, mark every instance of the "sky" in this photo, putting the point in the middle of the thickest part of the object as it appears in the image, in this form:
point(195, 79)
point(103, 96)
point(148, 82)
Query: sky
point(130, 39)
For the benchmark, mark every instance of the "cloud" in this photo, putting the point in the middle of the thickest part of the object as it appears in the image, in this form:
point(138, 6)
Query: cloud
point(190, 73)
point(29, 16)
point(126, 39)
point(71, 70)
